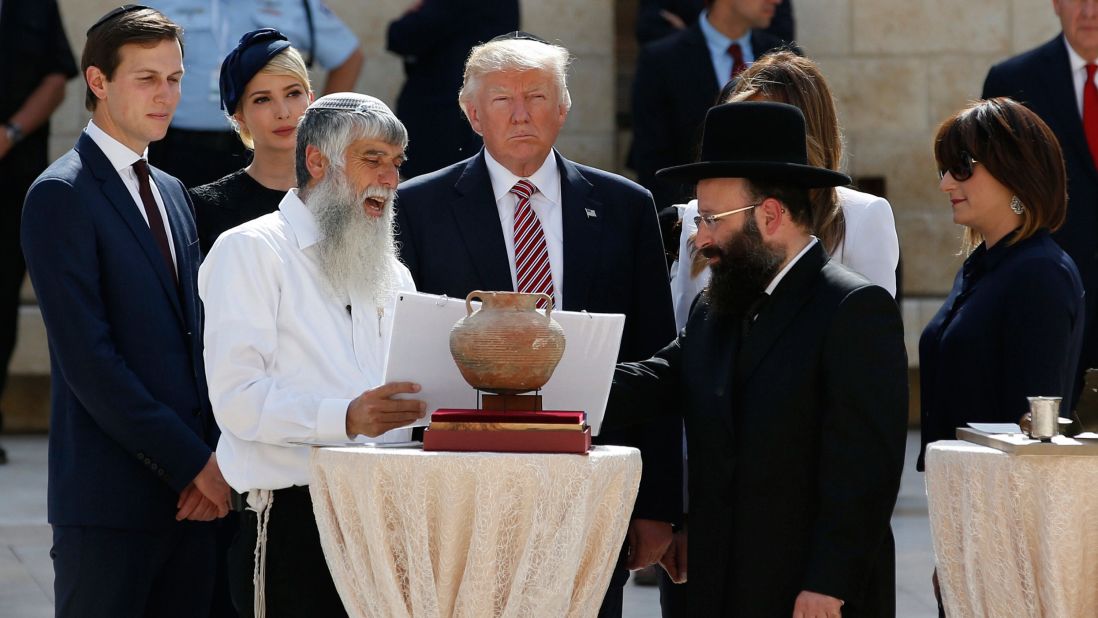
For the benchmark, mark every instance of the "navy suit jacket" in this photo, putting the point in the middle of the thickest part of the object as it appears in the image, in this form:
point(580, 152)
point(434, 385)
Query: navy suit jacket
point(451, 239)
point(1041, 79)
point(130, 420)
point(673, 89)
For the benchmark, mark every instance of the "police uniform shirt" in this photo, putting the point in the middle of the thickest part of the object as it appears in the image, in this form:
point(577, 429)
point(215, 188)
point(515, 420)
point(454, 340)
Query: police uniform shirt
point(211, 29)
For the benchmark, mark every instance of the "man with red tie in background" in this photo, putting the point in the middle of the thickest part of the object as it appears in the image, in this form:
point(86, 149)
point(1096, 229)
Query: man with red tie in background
point(1057, 81)
point(678, 79)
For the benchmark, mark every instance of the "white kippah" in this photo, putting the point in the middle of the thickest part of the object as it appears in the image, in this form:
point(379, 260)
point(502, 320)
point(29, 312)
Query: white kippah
point(351, 102)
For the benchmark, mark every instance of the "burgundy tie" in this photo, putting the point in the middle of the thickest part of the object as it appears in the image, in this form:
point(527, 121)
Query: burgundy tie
point(531, 255)
point(738, 65)
point(156, 222)
point(1090, 113)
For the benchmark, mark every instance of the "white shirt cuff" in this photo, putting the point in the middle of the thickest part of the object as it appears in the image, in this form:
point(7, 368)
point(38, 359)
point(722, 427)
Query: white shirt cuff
point(331, 419)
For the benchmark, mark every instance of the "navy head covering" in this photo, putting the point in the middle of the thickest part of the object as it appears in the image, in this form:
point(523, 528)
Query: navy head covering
point(252, 53)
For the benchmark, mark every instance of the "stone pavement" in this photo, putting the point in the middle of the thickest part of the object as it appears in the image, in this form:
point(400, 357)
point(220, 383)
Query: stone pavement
point(26, 575)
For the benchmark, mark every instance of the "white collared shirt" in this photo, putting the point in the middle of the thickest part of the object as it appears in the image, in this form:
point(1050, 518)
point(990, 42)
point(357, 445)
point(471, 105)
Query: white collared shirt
point(796, 258)
point(284, 357)
point(122, 160)
point(718, 45)
point(546, 204)
point(1078, 74)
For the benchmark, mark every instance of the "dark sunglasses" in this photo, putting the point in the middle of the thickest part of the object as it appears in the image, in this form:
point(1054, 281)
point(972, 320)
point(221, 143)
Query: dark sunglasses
point(962, 171)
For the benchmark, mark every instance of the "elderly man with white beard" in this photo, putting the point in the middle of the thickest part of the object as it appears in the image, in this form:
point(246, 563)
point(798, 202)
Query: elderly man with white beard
point(298, 320)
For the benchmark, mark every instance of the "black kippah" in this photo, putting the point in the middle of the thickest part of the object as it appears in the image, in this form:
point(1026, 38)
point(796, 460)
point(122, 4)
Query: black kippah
point(125, 8)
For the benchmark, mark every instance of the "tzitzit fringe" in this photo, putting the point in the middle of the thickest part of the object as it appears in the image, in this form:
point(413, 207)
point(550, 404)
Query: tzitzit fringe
point(264, 498)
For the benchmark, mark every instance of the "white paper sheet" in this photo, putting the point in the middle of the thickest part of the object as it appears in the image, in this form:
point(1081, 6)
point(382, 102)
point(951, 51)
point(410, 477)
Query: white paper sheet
point(420, 352)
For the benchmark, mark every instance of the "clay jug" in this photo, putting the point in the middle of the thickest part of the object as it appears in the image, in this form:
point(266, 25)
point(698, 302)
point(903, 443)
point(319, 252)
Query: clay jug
point(507, 347)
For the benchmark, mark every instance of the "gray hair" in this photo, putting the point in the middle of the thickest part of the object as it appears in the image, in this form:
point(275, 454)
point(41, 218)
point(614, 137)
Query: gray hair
point(515, 55)
point(333, 121)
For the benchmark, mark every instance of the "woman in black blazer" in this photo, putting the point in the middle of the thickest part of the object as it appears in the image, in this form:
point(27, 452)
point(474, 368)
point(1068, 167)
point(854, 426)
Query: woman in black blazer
point(1012, 326)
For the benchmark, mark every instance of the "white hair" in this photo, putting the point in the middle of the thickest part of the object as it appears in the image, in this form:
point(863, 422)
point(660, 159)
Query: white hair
point(334, 121)
point(515, 55)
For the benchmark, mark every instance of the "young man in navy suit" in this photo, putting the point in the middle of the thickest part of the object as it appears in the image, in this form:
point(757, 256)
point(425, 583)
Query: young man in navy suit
point(111, 247)
point(519, 216)
point(1054, 81)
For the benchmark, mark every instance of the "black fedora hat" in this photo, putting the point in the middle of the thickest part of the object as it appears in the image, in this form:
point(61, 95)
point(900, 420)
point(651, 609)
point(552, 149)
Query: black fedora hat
point(759, 140)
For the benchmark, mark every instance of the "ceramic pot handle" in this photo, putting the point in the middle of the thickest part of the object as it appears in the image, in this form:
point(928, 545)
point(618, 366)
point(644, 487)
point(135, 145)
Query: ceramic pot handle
point(477, 294)
point(548, 303)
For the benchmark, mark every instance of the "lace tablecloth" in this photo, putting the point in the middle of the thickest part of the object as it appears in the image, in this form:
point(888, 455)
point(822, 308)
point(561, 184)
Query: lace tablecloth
point(1014, 535)
point(440, 534)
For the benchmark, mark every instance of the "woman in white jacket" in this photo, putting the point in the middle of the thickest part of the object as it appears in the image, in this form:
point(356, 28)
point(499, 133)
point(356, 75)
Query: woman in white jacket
point(856, 228)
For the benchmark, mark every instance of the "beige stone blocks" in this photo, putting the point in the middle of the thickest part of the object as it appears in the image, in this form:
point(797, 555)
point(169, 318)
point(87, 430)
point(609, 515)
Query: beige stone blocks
point(918, 27)
point(878, 92)
point(829, 31)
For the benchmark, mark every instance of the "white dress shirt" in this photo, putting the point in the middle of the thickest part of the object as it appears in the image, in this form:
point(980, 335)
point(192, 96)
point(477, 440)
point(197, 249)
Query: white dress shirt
point(1078, 74)
point(284, 357)
point(122, 160)
point(546, 205)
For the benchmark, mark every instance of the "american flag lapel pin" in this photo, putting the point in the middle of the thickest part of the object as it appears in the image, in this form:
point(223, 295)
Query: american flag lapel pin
point(591, 214)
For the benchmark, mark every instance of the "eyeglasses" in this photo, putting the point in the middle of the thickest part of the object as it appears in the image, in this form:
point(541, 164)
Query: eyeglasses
point(963, 170)
point(710, 221)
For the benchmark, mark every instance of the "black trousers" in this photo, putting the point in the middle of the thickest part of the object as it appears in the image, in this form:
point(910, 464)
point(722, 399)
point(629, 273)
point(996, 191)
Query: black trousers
point(133, 573)
point(614, 600)
point(12, 267)
point(199, 157)
point(672, 597)
point(298, 582)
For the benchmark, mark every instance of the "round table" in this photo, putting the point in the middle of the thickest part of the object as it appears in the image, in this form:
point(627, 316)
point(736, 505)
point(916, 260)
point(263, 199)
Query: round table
point(1014, 535)
point(425, 534)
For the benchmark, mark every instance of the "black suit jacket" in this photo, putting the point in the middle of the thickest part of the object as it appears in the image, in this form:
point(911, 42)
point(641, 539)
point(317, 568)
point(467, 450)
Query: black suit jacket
point(130, 417)
point(434, 40)
point(1041, 79)
point(796, 433)
point(451, 239)
point(673, 89)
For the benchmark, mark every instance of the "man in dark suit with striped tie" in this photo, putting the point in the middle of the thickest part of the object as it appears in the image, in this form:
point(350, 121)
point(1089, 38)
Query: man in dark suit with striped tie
point(519, 216)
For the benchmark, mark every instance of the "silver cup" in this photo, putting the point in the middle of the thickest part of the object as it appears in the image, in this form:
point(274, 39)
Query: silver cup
point(1045, 414)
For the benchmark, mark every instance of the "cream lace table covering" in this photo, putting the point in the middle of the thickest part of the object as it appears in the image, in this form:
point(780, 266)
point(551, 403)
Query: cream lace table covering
point(438, 534)
point(1014, 535)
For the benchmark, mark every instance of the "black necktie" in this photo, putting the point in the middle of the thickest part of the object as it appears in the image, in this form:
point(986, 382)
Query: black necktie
point(152, 211)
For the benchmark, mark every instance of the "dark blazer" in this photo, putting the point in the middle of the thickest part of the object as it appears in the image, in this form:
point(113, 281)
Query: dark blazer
point(673, 89)
point(130, 420)
point(1011, 327)
point(1041, 79)
point(434, 41)
point(652, 26)
point(796, 433)
point(451, 240)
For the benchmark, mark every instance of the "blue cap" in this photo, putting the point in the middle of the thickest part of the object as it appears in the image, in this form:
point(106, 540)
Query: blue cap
point(252, 53)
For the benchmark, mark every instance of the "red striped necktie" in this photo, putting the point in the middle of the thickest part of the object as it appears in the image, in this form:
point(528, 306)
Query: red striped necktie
point(531, 254)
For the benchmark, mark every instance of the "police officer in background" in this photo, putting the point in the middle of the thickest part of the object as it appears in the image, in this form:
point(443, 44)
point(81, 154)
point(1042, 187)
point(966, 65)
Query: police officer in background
point(200, 146)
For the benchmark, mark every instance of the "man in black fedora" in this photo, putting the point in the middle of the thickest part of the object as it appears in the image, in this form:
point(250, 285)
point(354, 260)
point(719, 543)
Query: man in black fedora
point(791, 377)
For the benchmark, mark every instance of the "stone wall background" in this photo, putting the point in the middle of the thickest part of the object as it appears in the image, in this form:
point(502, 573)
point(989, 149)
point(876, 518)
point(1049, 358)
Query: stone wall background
point(897, 68)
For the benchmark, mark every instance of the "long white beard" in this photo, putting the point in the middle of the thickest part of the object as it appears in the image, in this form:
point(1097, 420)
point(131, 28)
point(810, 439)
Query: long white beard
point(356, 251)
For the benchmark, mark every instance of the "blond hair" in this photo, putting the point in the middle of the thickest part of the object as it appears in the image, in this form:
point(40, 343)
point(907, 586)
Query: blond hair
point(515, 55)
point(287, 63)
